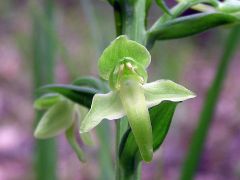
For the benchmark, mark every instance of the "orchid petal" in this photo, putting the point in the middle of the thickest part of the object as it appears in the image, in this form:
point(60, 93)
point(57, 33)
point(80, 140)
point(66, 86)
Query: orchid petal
point(104, 106)
point(165, 90)
point(56, 120)
point(121, 48)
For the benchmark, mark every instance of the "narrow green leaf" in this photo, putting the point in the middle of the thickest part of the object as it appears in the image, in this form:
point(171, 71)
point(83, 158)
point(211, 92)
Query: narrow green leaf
point(80, 95)
point(42, 59)
point(46, 101)
point(191, 162)
point(55, 121)
point(70, 135)
point(189, 25)
point(163, 6)
point(121, 48)
point(90, 82)
point(147, 6)
point(161, 117)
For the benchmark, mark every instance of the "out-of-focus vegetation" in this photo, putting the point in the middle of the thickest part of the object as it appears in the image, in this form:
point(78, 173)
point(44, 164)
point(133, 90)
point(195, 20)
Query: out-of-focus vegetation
point(80, 31)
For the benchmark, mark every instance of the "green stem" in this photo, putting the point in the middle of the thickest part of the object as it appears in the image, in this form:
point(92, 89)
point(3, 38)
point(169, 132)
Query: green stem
point(196, 147)
point(129, 20)
point(132, 175)
point(133, 20)
point(43, 65)
point(118, 18)
point(121, 127)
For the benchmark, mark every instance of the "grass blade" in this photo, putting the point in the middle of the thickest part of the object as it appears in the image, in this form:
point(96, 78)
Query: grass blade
point(43, 65)
point(80, 95)
point(103, 131)
point(199, 137)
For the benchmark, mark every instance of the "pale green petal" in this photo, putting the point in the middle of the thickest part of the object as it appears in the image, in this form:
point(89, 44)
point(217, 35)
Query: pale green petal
point(121, 48)
point(104, 106)
point(162, 90)
point(56, 120)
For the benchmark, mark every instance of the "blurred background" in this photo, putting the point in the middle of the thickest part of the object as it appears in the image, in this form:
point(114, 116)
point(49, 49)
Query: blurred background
point(78, 30)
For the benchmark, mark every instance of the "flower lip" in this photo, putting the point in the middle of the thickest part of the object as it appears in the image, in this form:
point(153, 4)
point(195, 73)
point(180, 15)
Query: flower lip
point(134, 104)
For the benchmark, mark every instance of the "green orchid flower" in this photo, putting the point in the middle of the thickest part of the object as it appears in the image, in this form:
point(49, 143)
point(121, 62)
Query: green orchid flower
point(123, 63)
point(61, 116)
